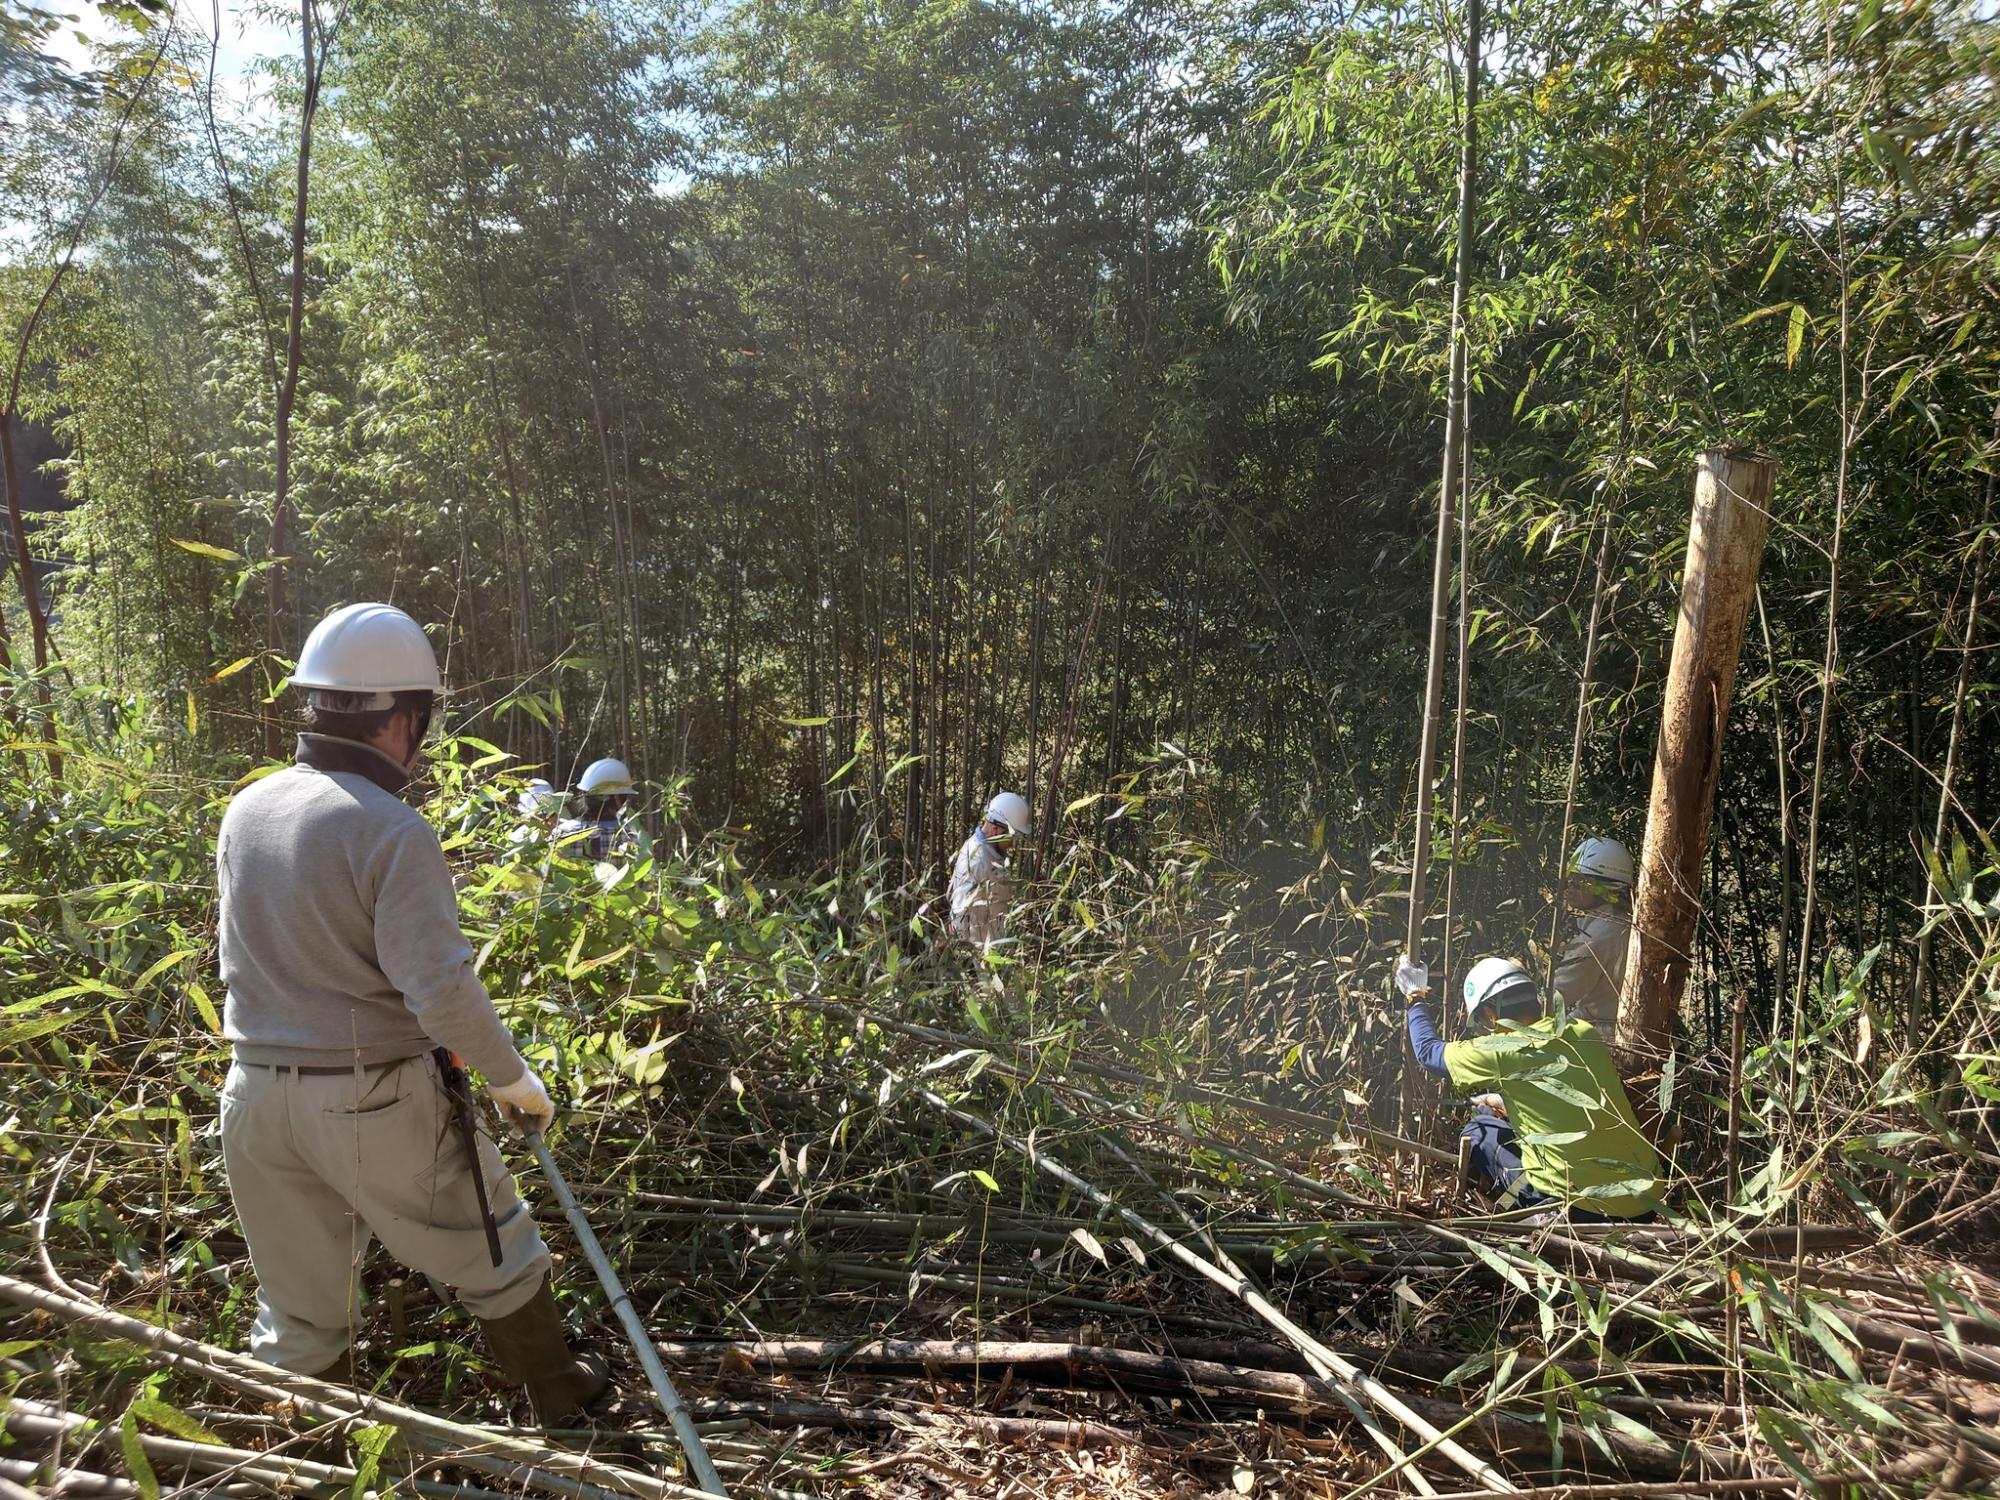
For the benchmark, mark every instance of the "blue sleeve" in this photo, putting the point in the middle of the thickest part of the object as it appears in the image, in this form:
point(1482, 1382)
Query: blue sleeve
point(1424, 1040)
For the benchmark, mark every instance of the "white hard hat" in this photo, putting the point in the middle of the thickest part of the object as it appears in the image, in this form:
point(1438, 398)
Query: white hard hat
point(605, 778)
point(1603, 859)
point(1011, 808)
point(368, 652)
point(1492, 980)
point(537, 797)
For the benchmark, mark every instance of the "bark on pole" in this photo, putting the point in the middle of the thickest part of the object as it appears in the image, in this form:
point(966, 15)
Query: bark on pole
point(1732, 517)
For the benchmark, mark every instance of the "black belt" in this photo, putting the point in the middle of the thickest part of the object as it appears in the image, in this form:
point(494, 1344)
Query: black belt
point(314, 1071)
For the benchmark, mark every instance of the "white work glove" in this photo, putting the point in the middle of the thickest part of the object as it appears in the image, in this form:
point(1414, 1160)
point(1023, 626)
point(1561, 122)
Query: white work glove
point(525, 1103)
point(1412, 978)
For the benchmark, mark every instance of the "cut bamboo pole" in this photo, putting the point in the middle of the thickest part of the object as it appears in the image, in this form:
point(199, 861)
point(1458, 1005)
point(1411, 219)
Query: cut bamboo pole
point(628, 1318)
point(1731, 519)
point(1357, 1382)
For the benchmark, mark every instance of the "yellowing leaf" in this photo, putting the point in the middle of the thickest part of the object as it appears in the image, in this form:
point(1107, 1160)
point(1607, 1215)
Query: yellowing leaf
point(204, 549)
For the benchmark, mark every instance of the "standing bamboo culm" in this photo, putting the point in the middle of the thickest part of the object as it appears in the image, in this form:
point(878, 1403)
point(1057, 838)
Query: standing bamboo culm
point(1447, 497)
point(1913, 1023)
point(1582, 728)
point(288, 392)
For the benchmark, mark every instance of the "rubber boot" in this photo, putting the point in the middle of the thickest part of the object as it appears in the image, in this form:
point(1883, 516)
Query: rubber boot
point(340, 1372)
point(531, 1349)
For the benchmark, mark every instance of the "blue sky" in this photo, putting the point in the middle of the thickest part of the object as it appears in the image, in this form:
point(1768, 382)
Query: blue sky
point(250, 33)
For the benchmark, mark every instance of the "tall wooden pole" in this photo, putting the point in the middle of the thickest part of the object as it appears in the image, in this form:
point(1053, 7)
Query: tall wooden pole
point(1468, 161)
point(1732, 517)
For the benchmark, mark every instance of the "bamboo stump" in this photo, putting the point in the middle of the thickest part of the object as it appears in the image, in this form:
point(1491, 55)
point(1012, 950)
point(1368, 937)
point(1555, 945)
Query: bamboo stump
point(1732, 517)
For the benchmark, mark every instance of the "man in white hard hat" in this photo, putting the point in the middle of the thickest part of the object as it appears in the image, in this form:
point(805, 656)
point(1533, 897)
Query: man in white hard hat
point(1590, 971)
point(982, 883)
point(351, 998)
point(605, 791)
point(1565, 1136)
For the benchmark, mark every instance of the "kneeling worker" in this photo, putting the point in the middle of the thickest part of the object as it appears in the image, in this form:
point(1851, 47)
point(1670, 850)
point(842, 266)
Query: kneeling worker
point(606, 790)
point(350, 987)
point(1564, 1134)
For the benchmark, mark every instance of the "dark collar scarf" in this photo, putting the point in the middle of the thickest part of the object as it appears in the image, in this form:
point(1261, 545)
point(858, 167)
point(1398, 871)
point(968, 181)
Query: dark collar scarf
point(323, 752)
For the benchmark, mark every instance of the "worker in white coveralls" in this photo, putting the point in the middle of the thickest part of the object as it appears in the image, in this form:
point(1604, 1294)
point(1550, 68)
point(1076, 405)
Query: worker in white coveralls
point(1590, 970)
point(604, 795)
point(982, 879)
point(538, 807)
point(351, 999)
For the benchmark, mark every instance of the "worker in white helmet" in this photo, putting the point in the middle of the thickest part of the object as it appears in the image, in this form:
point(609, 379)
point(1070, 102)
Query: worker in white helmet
point(351, 1001)
point(604, 795)
point(1590, 968)
point(982, 884)
point(1564, 1135)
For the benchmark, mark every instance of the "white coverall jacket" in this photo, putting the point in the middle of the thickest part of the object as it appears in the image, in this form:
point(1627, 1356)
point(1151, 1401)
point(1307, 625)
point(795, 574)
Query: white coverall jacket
point(982, 890)
point(1591, 972)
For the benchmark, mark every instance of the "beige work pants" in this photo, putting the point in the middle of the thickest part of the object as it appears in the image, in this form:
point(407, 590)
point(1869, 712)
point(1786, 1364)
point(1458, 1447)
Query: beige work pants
point(318, 1162)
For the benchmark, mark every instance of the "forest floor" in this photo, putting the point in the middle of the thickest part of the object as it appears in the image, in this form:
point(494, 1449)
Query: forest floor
point(856, 1285)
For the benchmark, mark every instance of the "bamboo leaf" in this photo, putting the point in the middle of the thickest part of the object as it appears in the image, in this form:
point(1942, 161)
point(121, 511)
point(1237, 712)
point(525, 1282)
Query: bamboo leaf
point(1090, 1245)
point(173, 1421)
point(204, 549)
point(26, 1031)
point(180, 956)
point(136, 1463)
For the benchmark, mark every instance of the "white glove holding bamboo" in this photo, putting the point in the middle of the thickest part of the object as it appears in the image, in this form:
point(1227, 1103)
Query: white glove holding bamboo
point(1413, 980)
point(524, 1103)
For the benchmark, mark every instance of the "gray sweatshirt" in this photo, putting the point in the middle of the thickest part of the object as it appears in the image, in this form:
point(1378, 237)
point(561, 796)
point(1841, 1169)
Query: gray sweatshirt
point(339, 929)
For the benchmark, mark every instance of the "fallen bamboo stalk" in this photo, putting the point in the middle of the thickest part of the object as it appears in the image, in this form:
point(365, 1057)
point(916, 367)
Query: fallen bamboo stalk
point(265, 1471)
point(1359, 1384)
point(1645, 1490)
point(917, 1279)
point(569, 1475)
point(738, 1415)
point(1299, 1395)
point(1068, 1432)
point(820, 1354)
point(1248, 1290)
point(1774, 1240)
point(29, 1475)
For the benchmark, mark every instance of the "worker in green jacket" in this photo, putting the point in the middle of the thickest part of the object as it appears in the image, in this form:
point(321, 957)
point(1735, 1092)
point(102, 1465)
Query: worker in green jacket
point(1561, 1133)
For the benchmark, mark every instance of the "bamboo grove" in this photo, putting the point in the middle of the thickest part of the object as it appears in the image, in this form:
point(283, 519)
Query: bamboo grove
point(849, 409)
point(841, 411)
